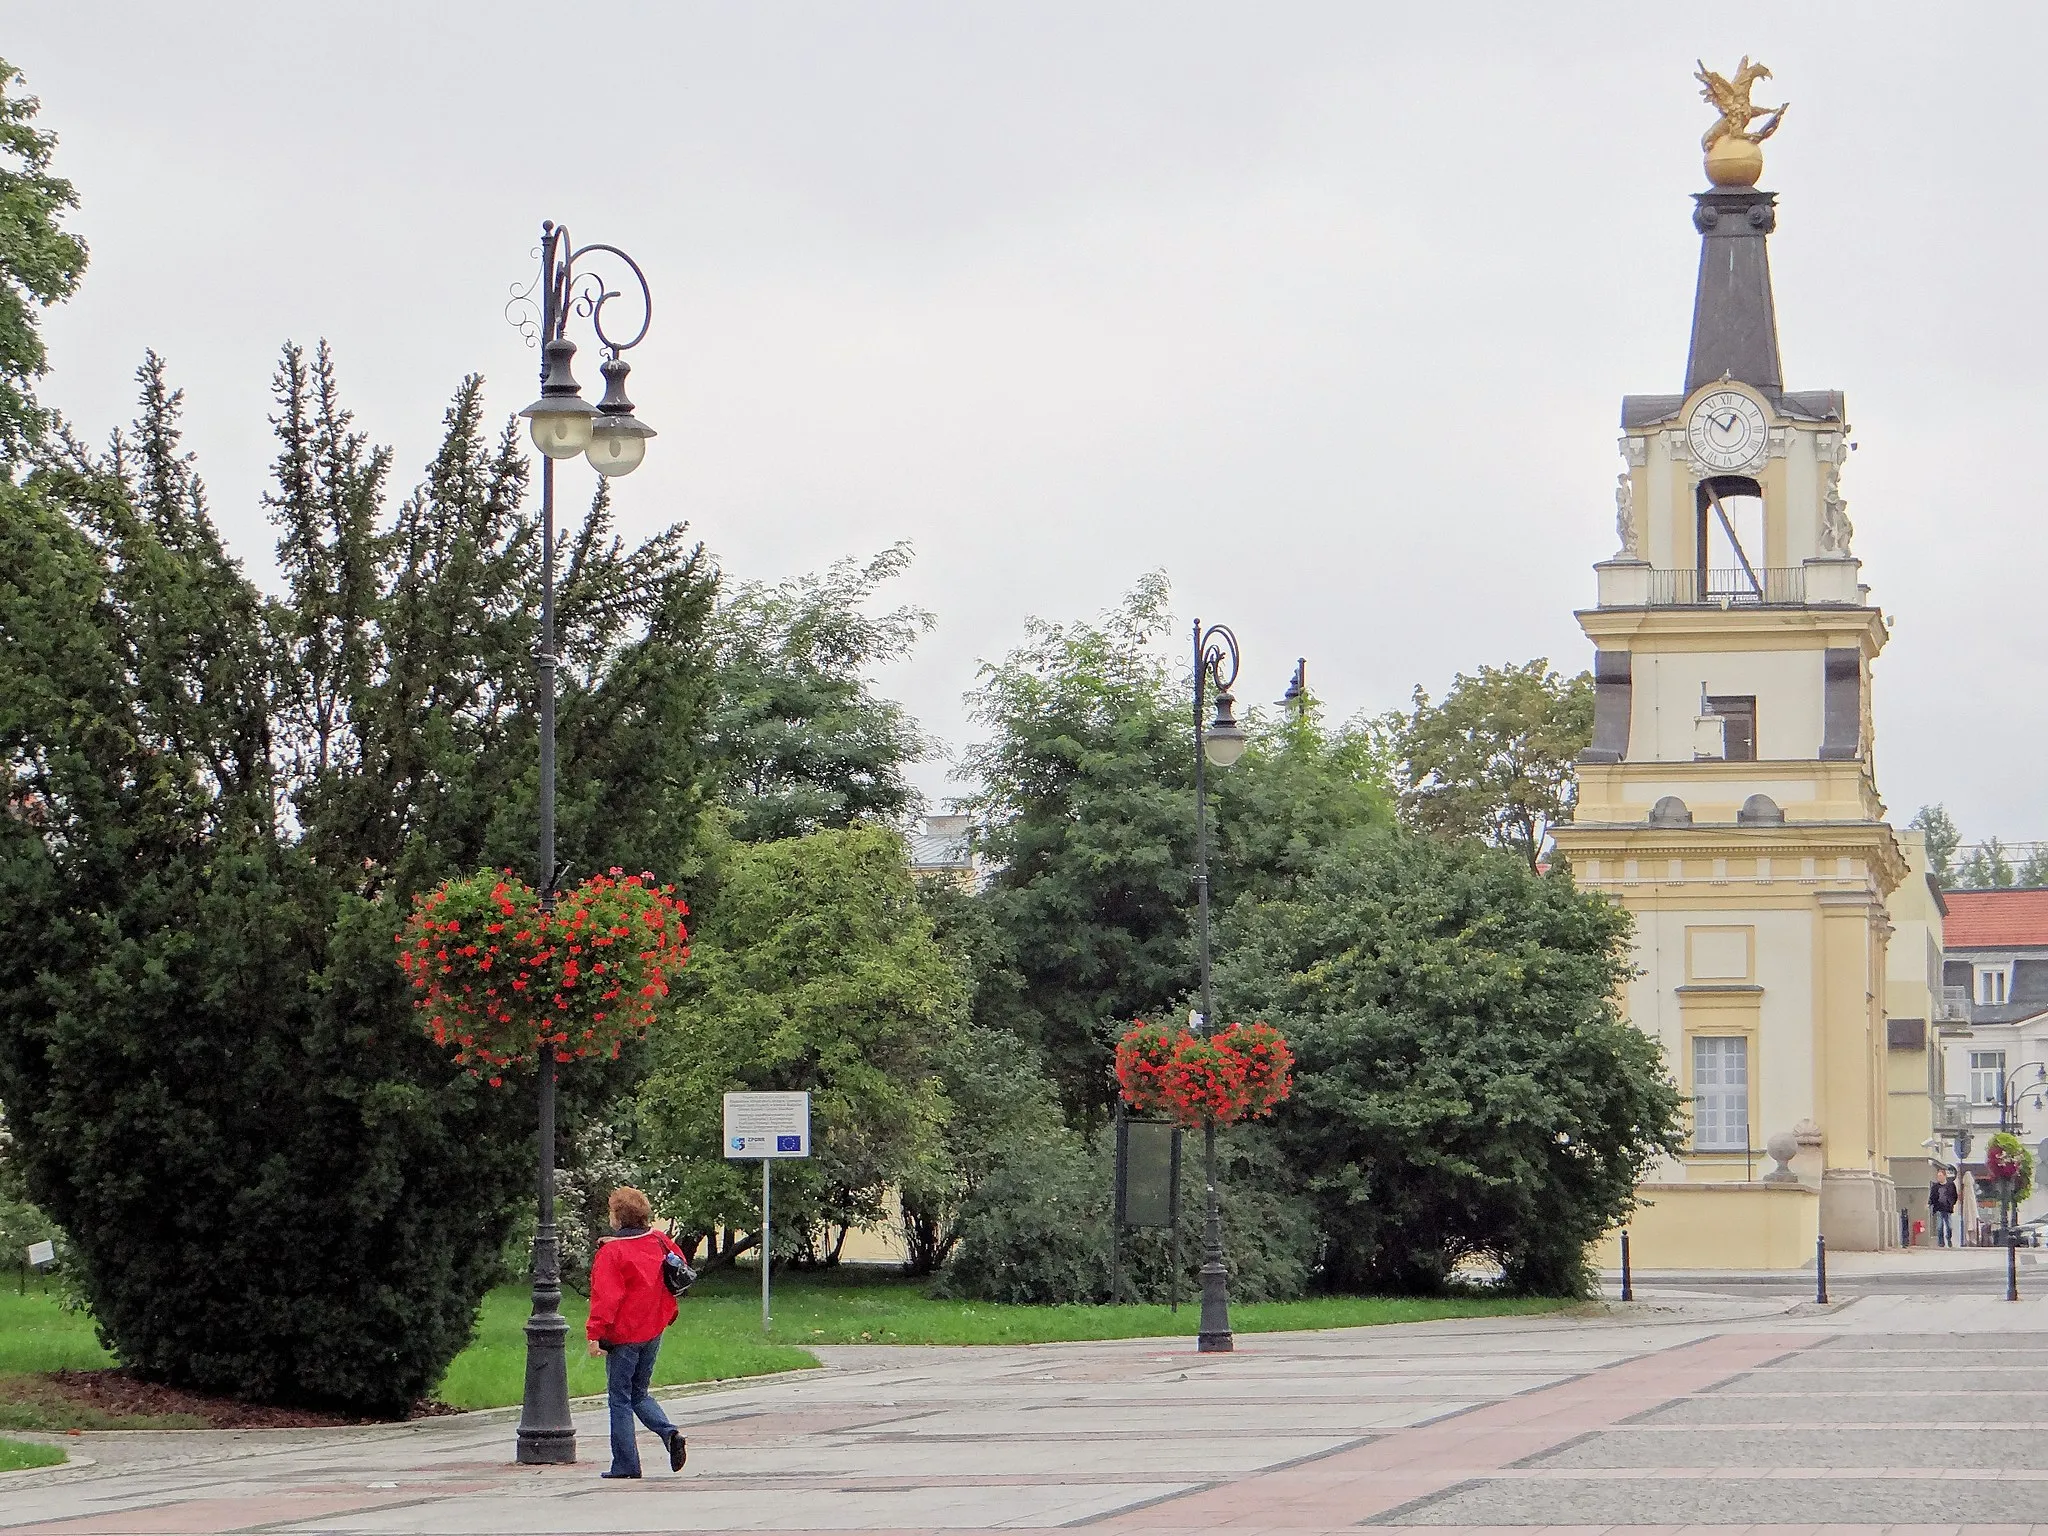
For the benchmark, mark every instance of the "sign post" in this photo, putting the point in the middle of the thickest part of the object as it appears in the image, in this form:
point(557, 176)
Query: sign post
point(767, 1126)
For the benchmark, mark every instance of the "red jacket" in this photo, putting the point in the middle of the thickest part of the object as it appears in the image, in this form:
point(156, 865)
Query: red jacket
point(628, 1302)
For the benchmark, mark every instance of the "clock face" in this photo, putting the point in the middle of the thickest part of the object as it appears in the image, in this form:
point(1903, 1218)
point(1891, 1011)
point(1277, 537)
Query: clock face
point(1726, 431)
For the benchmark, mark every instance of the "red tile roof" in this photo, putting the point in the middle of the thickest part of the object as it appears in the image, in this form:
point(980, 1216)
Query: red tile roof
point(1995, 919)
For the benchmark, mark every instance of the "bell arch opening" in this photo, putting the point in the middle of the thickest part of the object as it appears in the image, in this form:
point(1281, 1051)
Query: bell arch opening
point(1728, 549)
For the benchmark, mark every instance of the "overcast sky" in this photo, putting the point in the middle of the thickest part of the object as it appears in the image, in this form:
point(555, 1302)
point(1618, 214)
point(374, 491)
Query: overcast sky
point(1326, 309)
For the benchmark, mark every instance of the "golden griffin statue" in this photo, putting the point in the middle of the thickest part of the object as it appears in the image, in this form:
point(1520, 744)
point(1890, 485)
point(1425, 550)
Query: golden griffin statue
point(1734, 155)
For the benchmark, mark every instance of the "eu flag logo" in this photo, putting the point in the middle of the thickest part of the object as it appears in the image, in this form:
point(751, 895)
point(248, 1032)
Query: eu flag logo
point(789, 1143)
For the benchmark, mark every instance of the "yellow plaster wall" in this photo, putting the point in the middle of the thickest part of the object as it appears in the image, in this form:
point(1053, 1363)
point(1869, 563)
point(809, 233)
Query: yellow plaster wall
point(1718, 1226)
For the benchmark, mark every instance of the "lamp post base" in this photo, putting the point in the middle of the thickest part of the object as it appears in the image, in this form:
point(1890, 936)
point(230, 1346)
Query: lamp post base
point(1214, 1336)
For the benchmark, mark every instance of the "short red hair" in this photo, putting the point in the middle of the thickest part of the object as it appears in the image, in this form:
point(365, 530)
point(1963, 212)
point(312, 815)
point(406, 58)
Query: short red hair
point(630, 1208)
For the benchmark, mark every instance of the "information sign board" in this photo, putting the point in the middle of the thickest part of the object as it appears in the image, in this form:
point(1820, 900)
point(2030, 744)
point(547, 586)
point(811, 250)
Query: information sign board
point(767, 1125)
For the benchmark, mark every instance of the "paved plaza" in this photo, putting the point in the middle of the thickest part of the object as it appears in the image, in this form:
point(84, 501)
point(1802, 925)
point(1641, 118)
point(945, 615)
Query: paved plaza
point(1911, 1410)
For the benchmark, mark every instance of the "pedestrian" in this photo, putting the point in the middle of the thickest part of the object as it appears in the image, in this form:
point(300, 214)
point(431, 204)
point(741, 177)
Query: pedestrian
point(1941, 1200)
point(630, 1307)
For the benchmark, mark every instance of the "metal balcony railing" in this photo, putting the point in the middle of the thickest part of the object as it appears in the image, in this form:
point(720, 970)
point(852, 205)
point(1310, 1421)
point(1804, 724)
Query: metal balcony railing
point(1951, 1113)
point(1955, 1005)
point(1778, 585)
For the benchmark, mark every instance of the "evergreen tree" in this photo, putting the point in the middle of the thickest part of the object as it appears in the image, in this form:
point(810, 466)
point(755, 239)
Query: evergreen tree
point(217, 814)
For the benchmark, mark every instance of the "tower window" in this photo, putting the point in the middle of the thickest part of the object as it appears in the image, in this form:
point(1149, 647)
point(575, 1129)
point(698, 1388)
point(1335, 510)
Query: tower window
point(1740, 731)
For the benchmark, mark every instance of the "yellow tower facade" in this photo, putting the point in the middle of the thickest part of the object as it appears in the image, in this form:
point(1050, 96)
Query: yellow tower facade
point(1729, 798)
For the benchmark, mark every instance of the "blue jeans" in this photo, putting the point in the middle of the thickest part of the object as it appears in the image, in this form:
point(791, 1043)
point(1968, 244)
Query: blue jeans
point(628, 1368)
point(1944, 1229)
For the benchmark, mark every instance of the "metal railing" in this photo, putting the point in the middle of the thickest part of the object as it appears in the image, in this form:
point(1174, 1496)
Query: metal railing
point(1778, 585)
point(1953, 1113)
point(1955, 1005)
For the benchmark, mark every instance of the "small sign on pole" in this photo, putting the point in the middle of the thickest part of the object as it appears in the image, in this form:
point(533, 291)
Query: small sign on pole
point(767, 1126)
point(42, 1255)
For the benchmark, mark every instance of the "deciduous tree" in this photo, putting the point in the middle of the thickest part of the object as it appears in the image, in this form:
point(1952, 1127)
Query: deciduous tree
point(1494, 759)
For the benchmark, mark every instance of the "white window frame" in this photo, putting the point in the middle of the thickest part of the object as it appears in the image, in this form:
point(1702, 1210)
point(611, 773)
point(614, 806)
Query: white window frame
point(1987, 1070)
point(1993, 987)
point(1717, 1101)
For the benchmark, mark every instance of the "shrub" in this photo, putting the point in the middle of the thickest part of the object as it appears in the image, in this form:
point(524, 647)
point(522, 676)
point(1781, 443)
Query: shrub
point(1466, 1085)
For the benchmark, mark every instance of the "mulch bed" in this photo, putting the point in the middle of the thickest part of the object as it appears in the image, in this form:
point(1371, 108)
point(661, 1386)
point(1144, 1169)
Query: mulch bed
point(116, 1392)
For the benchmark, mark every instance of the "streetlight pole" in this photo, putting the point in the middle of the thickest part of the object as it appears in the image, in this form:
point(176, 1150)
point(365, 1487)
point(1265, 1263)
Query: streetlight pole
point(1220, 741)
point(563, 425)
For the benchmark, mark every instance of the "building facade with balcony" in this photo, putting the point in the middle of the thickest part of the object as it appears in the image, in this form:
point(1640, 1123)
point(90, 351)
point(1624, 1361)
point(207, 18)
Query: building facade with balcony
point(1729, 797)
point(1918, 1021)
point(1995, 974)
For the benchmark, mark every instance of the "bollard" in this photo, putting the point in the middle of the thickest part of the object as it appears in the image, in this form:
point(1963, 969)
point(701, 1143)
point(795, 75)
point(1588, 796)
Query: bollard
point(1628, 1290)
point(2012, 1263)
point(1820, 1270)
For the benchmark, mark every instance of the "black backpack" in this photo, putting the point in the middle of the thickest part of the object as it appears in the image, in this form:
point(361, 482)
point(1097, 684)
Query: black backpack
point(676, 1273)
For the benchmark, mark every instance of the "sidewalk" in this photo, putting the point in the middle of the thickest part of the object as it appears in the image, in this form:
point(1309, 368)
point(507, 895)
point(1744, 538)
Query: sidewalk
point(883, 1439)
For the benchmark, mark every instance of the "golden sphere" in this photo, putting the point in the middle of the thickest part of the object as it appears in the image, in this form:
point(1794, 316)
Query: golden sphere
point(1734, 162)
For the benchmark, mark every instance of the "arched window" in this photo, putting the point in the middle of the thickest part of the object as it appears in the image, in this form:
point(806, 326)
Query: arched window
point(1728, 554)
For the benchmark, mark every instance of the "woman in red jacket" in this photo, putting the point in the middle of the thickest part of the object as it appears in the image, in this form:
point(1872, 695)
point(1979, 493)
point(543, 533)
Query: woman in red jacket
point(629, 1309)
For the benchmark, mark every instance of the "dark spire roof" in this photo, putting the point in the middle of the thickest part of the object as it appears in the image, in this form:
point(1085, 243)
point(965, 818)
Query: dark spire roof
point(1734, 322)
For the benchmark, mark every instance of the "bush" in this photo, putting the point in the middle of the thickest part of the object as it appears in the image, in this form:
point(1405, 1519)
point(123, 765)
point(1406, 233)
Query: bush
point(1036, 1228)
point(1466, 1086)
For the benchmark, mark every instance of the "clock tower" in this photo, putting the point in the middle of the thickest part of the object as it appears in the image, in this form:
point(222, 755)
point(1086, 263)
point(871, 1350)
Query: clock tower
point(1729, 797)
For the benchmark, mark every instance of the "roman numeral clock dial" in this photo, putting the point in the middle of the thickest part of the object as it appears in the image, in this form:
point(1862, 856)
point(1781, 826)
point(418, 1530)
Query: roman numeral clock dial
point(1726, 431)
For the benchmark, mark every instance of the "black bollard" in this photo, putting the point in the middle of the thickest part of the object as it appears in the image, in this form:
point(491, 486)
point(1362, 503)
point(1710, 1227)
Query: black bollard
point(1820, 1270)
point(1628, 1290)
point(2012, 1263)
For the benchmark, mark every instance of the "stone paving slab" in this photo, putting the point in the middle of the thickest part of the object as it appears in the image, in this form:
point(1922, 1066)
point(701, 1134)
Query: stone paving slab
point(1734, 1499)
point(1812, 1446)
point(1794, 1408)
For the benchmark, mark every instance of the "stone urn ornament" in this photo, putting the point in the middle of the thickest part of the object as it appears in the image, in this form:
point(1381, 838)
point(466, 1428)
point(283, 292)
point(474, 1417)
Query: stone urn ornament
point(1783, 1147)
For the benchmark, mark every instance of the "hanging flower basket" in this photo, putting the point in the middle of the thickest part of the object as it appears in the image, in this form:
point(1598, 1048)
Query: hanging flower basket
point(496, 978)
point(1239, 1073)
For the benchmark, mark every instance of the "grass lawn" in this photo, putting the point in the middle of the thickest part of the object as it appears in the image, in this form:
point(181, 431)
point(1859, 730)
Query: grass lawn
point(719, 1331)
point(864, 1306)
point(719, 1334)
point(17, 1454)
point(36, 1335)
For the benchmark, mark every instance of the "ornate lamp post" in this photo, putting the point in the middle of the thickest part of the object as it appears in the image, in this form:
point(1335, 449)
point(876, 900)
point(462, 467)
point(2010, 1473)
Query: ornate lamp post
point(1220, 741)
point(2004, 1168)
point(564, 424)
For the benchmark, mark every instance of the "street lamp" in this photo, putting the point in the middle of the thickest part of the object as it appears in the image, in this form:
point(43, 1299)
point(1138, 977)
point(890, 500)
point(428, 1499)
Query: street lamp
point(2007, 1178)
point(563, 424)
point(1220, 741)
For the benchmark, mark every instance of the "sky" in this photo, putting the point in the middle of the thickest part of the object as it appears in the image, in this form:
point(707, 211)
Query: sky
point(1326, 310)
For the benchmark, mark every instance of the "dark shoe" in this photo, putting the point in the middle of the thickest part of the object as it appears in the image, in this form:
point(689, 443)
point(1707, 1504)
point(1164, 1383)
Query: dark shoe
point(618, 1474)
point(678, 1451)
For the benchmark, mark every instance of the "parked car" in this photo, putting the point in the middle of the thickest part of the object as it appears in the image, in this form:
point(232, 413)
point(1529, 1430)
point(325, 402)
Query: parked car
point(2027, 1234)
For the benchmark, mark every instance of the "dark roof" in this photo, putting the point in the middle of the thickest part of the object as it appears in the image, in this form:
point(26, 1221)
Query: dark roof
point(1734, 316)
point(2027, 997)
point(1798, 404)
point(1734, 319)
